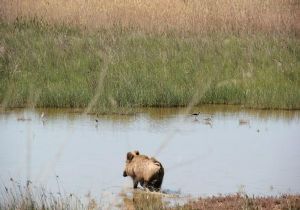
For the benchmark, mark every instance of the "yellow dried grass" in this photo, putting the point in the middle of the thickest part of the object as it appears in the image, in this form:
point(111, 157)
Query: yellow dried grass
point(161, 15)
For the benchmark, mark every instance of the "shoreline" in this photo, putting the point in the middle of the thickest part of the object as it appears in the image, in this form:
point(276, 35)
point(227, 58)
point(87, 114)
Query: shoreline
point(39, 198)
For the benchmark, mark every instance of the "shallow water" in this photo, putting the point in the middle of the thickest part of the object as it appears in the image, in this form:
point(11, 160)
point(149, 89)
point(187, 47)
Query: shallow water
point(253, 151)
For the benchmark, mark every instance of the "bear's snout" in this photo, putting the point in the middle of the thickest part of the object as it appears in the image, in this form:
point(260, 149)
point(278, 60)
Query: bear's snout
point(124, 174)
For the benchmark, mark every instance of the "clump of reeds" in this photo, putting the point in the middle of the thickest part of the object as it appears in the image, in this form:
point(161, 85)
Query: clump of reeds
point(14, 195)
point(163, 15)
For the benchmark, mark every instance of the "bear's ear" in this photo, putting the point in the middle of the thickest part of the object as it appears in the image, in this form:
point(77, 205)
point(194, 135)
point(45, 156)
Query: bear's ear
point(136, 152)
point(129, 156)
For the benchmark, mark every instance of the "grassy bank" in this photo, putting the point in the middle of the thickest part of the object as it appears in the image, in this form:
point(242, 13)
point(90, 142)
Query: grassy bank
point(46, 65)
point(102, 55)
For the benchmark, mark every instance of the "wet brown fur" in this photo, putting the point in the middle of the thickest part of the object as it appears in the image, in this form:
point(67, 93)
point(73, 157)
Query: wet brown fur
point(149, 172)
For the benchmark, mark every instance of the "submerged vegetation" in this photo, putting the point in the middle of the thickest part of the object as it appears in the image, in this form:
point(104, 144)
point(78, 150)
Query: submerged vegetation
point(240, 52)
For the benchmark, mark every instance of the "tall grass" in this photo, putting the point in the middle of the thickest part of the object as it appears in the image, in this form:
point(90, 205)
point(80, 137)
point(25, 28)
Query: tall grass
point(105, 54)
point(60, 66)
point(198, 16)
point(16, 196)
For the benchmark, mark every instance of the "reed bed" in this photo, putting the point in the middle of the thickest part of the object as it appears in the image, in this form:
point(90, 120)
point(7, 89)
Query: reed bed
point(103, 55)
point(15, 195)
point(193, 16)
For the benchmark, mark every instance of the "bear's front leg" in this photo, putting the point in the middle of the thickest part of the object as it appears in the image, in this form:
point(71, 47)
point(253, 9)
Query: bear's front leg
point(135, 184)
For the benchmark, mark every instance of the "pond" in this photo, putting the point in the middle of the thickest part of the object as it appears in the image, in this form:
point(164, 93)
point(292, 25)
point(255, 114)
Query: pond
point(223, 150)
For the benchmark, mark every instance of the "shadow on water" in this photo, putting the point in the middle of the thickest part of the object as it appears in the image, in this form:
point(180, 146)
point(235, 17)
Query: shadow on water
point(224, 149)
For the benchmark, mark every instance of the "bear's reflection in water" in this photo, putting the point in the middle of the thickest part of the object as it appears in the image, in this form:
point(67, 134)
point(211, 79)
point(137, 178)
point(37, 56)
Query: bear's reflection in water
point(145, 199)
point(140, 199)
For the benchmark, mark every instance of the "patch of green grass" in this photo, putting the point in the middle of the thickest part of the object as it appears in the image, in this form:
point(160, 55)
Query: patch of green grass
point(58, 66)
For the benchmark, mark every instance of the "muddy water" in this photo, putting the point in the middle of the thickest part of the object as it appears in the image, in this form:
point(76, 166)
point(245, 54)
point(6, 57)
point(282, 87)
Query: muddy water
point(257, 152)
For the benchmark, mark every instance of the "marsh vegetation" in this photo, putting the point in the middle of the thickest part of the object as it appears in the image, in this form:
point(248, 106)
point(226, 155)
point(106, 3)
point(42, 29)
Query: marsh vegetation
point(25, 197)
point(103, 56)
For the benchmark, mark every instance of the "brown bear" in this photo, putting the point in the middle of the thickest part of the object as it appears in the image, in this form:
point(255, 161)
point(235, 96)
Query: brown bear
point(144, 170)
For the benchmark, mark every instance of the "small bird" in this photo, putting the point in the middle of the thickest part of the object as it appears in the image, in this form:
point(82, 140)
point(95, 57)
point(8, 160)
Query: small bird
point(208, 119)
point(208, 123)
point(244, 122)
point(196, 115)
point(96, 120)
point(43, 118)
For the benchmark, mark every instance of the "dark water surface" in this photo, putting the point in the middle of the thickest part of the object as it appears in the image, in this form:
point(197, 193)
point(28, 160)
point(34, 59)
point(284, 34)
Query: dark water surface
point(253, 151)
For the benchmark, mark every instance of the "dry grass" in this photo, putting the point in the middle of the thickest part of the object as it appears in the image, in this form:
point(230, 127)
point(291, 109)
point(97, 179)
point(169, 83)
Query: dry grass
point(232, 202)
point(149, 201)
point(267, 16)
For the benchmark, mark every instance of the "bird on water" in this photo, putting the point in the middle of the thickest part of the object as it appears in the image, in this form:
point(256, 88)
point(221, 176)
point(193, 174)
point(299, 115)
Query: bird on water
point(196, 115)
